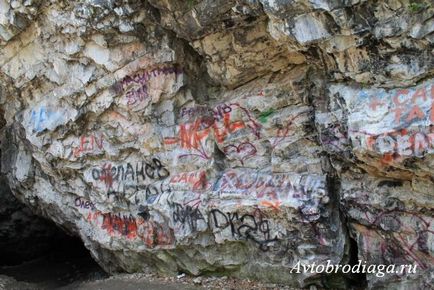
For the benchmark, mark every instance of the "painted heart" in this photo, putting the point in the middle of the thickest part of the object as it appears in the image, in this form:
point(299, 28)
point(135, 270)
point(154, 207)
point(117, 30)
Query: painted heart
point(242, 151)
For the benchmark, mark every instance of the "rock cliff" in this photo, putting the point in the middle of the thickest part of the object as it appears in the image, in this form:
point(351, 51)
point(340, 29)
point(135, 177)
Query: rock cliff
point(235, 137)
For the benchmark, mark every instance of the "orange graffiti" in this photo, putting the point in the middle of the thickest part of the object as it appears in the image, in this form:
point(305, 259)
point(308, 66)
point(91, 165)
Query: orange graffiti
point(275, 205)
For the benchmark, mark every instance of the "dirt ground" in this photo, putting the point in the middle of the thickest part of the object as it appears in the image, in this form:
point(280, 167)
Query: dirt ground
point(144, 282)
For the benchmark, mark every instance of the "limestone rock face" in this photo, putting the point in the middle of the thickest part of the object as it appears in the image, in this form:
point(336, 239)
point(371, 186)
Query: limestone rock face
point(231, 137)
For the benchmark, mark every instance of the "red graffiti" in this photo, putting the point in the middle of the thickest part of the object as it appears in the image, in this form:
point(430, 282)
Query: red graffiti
point(193, 135)
point(120, 225)
point(398, 144)
point(151, 233)
point(155, 234)
point(198, 180)
point(274, 205)
point(407, 104)
point(89, 143)
point(228, 128)
point(107, 175)
point(254, 126)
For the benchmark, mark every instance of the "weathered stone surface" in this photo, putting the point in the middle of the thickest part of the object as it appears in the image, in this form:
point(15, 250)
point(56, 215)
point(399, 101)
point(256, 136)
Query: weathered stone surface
point(236, 137)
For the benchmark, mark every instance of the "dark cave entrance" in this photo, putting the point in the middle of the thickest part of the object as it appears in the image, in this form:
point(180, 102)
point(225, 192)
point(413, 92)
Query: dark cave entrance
point(35, 250)
point(67, 262)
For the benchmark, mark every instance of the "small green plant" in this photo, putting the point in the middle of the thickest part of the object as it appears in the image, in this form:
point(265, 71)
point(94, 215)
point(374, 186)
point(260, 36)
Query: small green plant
point(415, 7)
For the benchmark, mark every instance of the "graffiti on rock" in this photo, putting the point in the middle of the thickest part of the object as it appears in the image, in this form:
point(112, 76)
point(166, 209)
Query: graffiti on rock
point(45, 117)
point(409, 238)
point(407, 105)
point(240, 152)
point(187, 215)
point(132, 181)
point(254, 227)
point(89, 144)
point(84, 204)
point(195, 181)
point(153, 234)
point(272, 187)
point(395, 145)
point(222, 121)
point(136, 86)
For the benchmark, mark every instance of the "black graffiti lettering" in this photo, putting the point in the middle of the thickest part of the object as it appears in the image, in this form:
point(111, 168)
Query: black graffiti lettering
point(130, 171)
point(176, 213)
point(132, 187)
point(110, 172)
point(149, 170)
point(186, 215)
point(215, 213)
point(114, 173)
point(146, 193)
point(112, 193)
point(162, 171)
point(264, 228)
point(117, 195)
point(140, 172)
point(232, 219)
point(141, 187)
point(130, 178)
point(247, 227)
point(119, 177)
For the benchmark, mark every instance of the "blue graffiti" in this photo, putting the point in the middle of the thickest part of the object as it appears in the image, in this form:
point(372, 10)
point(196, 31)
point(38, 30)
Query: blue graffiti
point(41, 118)
point(380, 95)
